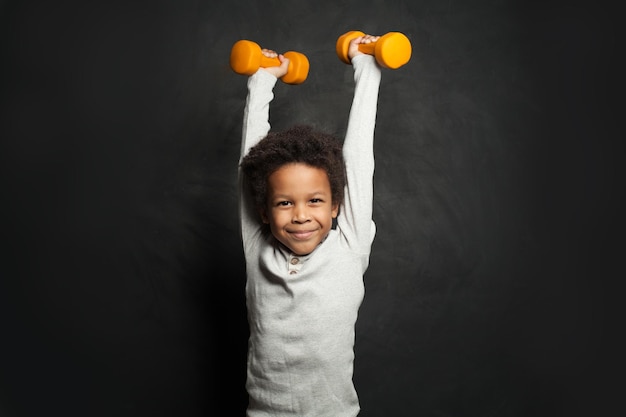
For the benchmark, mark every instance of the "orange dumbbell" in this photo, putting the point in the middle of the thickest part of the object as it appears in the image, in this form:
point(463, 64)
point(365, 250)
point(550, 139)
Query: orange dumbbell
point(246, 58)
point(391, 50)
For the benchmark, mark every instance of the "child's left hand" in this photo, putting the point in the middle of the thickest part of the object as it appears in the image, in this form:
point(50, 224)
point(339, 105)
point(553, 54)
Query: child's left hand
point(353, 49)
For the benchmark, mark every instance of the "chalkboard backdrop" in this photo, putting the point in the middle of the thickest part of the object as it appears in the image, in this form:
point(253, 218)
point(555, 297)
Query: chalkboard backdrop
point(496, 200)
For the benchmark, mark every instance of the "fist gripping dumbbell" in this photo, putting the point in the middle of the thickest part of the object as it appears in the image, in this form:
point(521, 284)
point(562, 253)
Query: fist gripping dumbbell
point(246, 58)
point(391, 50)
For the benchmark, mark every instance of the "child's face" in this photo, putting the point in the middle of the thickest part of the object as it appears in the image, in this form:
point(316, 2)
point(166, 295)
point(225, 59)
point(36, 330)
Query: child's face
point(299, 207)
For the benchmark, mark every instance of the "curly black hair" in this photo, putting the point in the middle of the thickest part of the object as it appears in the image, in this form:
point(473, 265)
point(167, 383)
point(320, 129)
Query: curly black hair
point(300, 143)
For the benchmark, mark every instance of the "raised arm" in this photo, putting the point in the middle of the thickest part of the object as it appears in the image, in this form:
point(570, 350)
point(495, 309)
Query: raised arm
point(260, 93)
point(256, 123)
point(255, 127)
point(356, 221)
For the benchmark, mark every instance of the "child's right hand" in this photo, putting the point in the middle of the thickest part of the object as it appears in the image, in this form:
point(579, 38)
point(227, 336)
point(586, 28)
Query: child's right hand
point(277, 71)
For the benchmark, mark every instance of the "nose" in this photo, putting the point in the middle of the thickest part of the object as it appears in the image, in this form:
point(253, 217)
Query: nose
point(301, 213)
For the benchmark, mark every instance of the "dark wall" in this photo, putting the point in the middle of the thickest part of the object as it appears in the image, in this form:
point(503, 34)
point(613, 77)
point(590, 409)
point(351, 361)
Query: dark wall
point(496, 200)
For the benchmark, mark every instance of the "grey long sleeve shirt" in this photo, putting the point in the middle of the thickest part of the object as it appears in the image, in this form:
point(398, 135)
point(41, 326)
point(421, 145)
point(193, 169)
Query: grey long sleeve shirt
point(302, 309)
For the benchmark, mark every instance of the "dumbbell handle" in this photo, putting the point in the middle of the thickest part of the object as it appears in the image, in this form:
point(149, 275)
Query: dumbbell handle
point(267, 62)
point(368, 48)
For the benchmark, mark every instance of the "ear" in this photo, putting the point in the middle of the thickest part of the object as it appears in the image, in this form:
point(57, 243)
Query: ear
point(263, 214)
point(335, 210)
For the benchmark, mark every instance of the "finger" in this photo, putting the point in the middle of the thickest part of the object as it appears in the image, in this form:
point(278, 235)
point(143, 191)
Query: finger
point(269, 53)
point(357, 40)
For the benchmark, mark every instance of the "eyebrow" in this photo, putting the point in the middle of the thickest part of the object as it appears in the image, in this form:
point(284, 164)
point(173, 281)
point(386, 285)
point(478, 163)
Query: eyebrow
point(285, 196)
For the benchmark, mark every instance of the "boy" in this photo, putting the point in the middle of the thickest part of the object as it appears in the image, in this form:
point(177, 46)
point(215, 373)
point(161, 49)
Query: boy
point(304, 277)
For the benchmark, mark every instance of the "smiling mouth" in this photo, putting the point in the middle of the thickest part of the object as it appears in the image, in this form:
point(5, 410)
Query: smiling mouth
point(302, 235)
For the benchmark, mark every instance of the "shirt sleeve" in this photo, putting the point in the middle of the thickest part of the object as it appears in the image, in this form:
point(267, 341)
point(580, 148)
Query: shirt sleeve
point(355, 219)
point(255, 127)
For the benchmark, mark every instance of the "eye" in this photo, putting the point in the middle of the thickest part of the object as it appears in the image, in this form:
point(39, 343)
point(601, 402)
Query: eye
point(283, 203)
point(316, 201)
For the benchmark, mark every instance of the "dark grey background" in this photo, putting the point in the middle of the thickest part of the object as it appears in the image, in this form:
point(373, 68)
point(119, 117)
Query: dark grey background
point(490, 291)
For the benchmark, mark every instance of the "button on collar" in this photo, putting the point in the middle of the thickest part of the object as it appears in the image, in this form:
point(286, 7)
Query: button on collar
point(294, 264)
